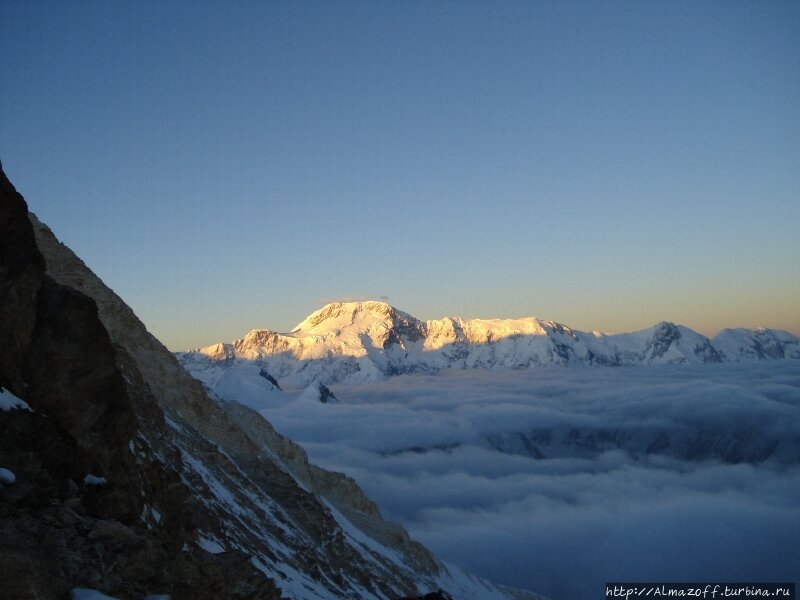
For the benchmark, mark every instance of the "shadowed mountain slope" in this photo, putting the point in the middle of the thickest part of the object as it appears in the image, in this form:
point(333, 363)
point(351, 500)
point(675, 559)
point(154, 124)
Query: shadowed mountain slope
point(121, 474)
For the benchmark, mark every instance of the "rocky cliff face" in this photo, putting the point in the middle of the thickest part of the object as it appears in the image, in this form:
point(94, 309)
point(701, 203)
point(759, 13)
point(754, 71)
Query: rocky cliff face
point(91, 460)
point(129, 479)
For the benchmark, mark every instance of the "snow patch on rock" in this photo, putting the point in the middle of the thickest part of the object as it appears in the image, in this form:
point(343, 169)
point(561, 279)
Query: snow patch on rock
point(7, 476)
point(9, 402)
point(88, 594)
point(94, 480)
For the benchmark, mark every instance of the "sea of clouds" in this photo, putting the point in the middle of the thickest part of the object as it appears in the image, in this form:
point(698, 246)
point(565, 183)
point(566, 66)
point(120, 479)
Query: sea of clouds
point(566, 524)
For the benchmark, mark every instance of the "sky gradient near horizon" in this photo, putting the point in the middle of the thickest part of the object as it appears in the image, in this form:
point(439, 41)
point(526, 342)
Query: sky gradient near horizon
point(226, 166)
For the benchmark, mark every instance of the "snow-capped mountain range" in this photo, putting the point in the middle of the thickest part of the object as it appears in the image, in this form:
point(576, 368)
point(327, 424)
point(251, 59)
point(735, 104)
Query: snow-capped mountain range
point(363, 342)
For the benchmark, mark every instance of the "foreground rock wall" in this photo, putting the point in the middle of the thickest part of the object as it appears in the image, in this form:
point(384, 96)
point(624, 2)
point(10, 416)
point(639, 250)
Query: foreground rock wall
point(122, 475)
point(85, 470)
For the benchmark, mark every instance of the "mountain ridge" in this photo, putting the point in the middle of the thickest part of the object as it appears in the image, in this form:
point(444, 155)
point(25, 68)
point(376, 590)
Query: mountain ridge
point(121, 473)
point(362, 342)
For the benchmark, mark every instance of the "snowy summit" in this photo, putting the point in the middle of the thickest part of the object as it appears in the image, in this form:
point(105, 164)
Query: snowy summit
point(364, 342)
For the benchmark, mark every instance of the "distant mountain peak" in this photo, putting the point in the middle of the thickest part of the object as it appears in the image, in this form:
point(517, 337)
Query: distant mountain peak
point(349, 312)
point(362, 342)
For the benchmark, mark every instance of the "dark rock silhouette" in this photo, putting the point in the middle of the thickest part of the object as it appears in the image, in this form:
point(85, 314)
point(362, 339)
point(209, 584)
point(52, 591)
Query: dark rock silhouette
point(57, 532)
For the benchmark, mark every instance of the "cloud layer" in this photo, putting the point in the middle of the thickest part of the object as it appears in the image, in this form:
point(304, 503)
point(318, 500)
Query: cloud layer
point(422, 448)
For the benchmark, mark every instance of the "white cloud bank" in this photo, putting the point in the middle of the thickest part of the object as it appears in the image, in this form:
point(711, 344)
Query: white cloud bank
point(565, 525)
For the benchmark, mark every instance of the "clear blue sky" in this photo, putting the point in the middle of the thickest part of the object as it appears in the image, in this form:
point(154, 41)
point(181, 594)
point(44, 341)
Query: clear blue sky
point(231, 165)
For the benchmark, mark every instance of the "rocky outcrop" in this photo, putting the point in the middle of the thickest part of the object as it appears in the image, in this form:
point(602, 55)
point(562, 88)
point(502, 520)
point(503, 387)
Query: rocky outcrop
point(129, 479)
point(91, 418)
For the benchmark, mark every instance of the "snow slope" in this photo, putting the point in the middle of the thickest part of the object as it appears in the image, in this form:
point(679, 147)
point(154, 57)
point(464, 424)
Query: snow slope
point(757, 344)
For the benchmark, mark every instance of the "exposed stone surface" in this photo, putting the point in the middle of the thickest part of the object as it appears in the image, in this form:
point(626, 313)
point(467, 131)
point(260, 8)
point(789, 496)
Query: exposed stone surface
point(201, 427)
point(89, 410)
point(131, 480)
